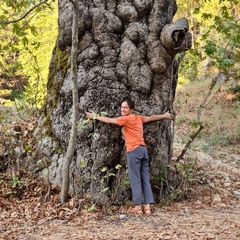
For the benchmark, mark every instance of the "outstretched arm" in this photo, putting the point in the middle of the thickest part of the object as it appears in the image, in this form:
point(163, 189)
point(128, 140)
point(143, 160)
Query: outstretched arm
point(152, 118)
point(93, 115)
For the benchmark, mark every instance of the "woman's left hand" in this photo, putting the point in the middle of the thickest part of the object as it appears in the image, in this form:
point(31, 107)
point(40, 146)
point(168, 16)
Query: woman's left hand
point(168, 115)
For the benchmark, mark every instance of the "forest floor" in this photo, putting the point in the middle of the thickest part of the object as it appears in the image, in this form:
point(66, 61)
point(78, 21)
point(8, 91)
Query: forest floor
point(212, 211)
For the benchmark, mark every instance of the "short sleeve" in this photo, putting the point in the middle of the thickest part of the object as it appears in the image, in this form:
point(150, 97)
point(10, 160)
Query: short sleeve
point(121, 121)
point(142, 118)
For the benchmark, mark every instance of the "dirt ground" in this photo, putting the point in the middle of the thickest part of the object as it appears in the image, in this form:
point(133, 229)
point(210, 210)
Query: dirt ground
point(212, 213)
point(181, 221)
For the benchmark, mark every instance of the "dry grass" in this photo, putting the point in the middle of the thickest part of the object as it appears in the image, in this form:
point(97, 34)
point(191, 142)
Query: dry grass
point(220, 116)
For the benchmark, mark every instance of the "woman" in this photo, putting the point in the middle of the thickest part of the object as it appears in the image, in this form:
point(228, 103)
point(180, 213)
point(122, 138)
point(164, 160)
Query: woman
point(137, 155)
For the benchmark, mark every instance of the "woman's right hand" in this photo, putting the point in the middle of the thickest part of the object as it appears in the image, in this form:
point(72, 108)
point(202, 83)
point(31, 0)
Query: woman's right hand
point(90, 115)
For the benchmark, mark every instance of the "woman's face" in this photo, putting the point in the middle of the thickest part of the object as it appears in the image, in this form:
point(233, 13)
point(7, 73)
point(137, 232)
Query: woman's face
point(125, 109)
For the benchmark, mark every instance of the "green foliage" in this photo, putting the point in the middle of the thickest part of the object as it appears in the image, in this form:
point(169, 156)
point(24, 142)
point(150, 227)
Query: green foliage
point(14, 186)
point(215, 38)
point(28, 31)
point(36, 56)
point(180, 180)
point(195, 123)
point(108, 174)
point(188, 70)
point(92, 208)
point(15, 181)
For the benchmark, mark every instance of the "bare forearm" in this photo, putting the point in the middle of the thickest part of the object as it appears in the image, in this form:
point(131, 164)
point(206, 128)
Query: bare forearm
point(158, 117)
point(104, 119)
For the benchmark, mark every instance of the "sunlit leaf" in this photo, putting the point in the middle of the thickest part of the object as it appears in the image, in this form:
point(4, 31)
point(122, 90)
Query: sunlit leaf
point(105, 190)
point(92, 208)
point(104, 169)
point(118, 166)
point(45, 171)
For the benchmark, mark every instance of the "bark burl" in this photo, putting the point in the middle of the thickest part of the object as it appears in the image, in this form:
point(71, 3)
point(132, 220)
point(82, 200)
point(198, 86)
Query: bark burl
point(126, 48)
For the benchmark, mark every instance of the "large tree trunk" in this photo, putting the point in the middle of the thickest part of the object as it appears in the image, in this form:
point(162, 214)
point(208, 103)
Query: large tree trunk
point(126, 48)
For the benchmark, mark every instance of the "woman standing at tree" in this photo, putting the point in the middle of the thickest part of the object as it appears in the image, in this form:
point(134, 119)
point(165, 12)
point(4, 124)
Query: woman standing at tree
point(137, 155)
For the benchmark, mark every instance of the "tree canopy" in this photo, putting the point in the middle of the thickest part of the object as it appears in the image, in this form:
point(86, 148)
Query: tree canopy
point(28, 31)
point(216, 40)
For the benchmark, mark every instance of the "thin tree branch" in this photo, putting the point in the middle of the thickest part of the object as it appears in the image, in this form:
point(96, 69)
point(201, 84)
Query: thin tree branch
point(24, 15)
point(73, 135)
point(192, 137)
point(174, 74)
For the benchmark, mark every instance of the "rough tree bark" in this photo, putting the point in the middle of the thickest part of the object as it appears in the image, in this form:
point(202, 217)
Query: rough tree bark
point(126, 48)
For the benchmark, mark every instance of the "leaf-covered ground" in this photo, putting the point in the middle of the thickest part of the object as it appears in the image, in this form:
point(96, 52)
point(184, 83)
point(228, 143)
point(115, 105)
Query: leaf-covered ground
point(177, 222)
point(213, 211)
point(29, 212)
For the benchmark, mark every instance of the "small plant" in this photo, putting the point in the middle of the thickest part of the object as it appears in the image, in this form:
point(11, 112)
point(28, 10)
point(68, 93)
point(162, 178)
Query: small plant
point(179, 181)
point(108, 175)
point(92, 208)
point(15, 181)
point(105, 173)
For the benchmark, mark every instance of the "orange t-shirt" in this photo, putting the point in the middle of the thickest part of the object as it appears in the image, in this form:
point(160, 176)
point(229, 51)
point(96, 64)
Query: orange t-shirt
point(132, 131)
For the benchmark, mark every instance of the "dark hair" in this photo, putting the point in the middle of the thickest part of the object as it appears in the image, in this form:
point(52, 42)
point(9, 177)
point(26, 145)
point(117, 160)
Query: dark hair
point(129, 102)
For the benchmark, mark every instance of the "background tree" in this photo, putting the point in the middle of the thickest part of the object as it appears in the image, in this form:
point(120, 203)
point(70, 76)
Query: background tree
point(125, 49)
point(215, 56)
point(215, 41)
point(28, 31)
point(35, 56)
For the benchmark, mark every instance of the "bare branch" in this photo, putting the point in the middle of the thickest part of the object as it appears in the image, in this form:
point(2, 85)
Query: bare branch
point(192, 137)
point(24, 15)
point(73, 134)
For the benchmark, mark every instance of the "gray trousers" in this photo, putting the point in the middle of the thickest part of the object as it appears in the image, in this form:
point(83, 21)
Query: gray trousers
point(138, 167)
